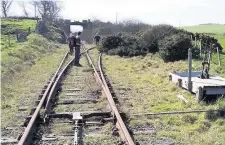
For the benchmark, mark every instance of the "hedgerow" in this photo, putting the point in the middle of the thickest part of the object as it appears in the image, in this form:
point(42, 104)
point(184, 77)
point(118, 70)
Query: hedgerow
point(174, 47)
point(171, 43)
point(124, 45)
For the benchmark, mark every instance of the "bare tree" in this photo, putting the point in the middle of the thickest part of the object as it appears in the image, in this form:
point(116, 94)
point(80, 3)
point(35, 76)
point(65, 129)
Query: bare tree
point(54, 10)
point(22, 5)
point(5, 4)
point(48, 9)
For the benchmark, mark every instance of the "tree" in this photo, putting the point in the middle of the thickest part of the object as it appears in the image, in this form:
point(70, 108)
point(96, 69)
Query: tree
point(5, 4)
point(22, 5)
point(48, 9)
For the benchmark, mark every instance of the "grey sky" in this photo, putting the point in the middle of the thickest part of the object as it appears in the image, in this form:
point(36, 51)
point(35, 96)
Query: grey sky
point(187, 12)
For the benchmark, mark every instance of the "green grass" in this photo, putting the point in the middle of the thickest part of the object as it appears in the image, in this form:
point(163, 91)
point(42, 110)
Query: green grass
point(23, 87)
point(216, 29)
point(147, 89)
point(10, 25)
point(16, 58)
point(151, 91)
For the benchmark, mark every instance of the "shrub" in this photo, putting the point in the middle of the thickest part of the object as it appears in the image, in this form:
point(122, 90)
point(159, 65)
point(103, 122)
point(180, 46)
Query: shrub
point(195, 53)
point(111, 42)
point(153, 35)
point(123, 46)
point(174, 47)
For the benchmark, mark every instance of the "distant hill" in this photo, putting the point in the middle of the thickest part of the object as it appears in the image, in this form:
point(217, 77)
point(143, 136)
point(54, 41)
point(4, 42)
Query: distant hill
point(211, 24)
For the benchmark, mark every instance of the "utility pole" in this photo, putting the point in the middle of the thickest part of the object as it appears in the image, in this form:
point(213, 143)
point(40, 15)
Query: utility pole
point(179, 24)
point(116, 17)
point(35, 10)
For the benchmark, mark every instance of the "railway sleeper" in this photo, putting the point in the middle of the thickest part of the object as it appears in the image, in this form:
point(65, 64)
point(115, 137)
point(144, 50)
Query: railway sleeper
point(76, 101)
point(75, 89)
point(6, 141)
point(23, 108)
point(85, 115)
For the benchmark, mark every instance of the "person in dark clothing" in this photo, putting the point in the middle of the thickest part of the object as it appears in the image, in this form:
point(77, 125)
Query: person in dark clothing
point(77, 50)
point(97, 39)
point(71, 42)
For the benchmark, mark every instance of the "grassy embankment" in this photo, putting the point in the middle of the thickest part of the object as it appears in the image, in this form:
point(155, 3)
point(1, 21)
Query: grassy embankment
point(142, 86)
point(25, 69)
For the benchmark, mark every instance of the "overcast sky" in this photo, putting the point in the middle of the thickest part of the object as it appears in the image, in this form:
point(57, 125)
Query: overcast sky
point(174, 12)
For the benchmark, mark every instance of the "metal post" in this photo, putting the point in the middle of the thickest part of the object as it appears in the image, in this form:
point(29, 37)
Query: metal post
point(76, 133)
point(76, 117)
point(219, 60)
point(189, 69)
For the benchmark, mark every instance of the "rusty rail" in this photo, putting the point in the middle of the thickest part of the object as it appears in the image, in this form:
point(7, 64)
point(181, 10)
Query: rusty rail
point(25, 137)
point(176, 112)
point(52, 89)
point(120, 124)
point(56, 85)
point(123, 132)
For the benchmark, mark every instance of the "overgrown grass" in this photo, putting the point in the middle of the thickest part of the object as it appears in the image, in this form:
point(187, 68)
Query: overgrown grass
point(17, 58)
point(10, 25)
point(9, 28)
point(23, 88)
point(149, 90)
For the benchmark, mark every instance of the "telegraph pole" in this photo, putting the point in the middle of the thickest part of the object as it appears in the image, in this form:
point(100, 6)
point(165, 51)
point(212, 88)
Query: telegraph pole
point(179, 24)
point(116, 17)
point(35, 10)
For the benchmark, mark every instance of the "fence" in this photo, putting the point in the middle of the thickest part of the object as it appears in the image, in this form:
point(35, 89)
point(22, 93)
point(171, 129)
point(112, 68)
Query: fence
point(203, 47)
point(8, 40)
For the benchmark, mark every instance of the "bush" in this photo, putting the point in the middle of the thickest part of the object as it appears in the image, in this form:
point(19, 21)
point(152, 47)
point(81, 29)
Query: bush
point(123, 46)
point(175, 47)
point(153, 35)
point(111, 42)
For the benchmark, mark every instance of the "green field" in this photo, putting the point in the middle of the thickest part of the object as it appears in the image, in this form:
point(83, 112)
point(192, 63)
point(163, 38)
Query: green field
point(9, 28)
point(9, 25)
point(217, 29)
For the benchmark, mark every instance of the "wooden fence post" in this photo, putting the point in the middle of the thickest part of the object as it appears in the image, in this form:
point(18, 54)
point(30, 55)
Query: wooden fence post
point(195, 41)
point(219, 60)
point(200, 47)
point(9, 40)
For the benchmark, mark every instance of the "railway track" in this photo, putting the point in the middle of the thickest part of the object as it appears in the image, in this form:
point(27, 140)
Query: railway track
point(76, 107)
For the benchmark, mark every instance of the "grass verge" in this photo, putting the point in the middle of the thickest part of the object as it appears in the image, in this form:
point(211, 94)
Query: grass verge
point(23, 88)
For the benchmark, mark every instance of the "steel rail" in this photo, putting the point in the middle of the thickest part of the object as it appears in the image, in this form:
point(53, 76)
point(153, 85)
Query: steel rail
point(120, 122)
point(176, 112)
point(55, 86)
point(124, 134)
point(25, 136)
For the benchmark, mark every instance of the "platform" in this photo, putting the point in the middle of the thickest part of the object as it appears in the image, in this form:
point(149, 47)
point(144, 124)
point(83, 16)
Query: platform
point(215, 85)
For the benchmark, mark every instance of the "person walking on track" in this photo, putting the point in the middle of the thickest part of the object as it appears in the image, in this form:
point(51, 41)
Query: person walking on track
point(71, 42)
point(77, 50)
point(97, 39)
